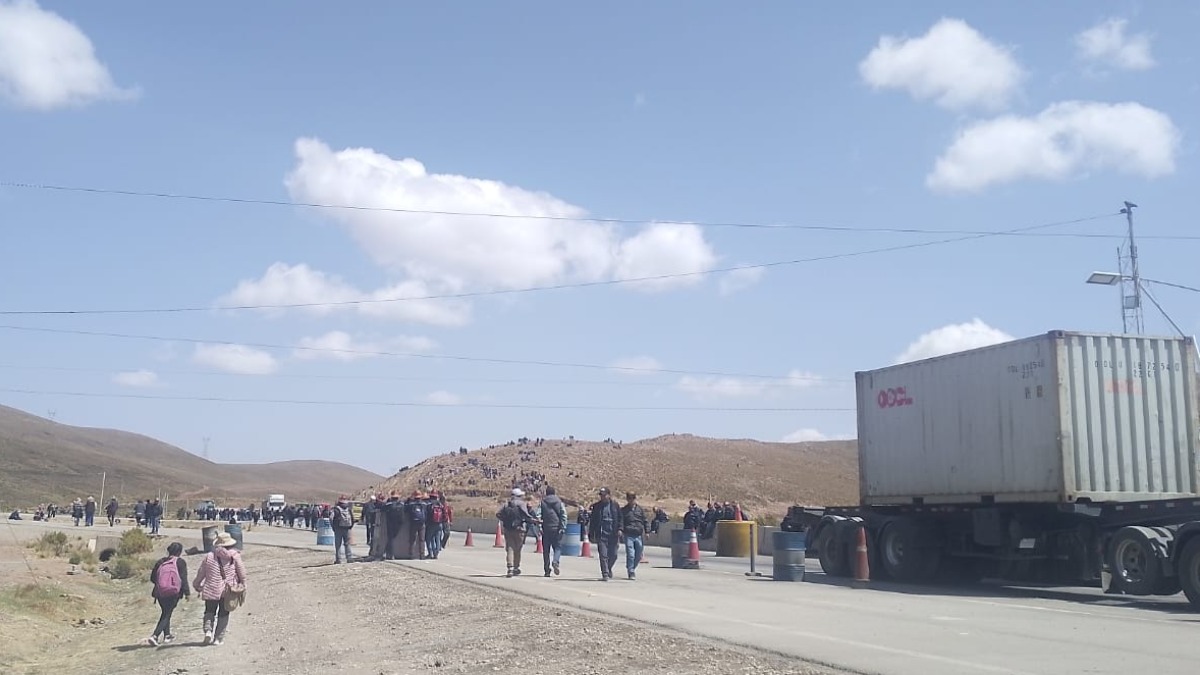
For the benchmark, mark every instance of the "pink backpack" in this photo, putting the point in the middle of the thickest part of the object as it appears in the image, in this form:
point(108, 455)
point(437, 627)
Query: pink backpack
point(168, 584)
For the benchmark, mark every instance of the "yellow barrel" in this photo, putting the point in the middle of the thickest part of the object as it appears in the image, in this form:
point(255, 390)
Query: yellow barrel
point(733, 538)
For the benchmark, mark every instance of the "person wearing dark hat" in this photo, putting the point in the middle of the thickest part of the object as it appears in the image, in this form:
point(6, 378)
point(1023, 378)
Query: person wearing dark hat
point(604, 530)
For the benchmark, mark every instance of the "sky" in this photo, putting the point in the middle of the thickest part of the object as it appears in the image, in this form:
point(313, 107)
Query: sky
point(455, 225)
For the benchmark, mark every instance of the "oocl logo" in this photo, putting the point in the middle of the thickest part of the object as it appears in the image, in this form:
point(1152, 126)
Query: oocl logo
point(893, 398)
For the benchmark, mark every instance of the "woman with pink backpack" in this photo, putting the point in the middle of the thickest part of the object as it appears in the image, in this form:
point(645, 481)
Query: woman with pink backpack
point(169, 577)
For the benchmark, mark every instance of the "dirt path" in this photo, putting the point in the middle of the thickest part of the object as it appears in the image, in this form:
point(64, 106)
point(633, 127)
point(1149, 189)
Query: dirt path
point(306, 616)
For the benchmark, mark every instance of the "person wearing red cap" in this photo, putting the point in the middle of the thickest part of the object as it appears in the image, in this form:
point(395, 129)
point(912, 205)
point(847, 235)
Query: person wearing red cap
point(341, 518)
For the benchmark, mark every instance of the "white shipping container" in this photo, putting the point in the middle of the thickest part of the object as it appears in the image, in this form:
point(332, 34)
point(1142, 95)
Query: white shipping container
point(1060, 417)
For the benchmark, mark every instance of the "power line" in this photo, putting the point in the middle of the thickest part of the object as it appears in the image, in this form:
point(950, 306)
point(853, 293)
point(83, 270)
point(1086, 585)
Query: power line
point(415, 404)
point(416, 355)
point(404, 378)
point(1169, 284)
point(564, 219)
point(552, 287)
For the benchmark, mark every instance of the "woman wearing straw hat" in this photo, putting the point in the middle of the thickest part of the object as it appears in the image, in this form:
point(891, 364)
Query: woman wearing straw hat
point(220, 582)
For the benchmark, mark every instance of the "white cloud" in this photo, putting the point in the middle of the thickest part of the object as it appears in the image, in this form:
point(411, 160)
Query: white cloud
point(1107, 44)
point(443, 253)
point(47, 62)
point(953, 338)
point(636, 365)
point(952, 64)
point(805, 436)
point(284, 284)
point(136, 378)
point(1065, 140)
point(442, 397)
point(341, 346)
point(739, 280)
point(719, 386)
point(238, 359)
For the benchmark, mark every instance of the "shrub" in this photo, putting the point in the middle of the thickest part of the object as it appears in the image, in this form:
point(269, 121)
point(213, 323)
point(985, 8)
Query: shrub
point(75, 559)
point(80, 555)
point(123, 567)
point(52, 544)
point(135, 542)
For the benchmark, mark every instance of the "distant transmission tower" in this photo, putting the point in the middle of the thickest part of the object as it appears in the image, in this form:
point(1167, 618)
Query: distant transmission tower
point(1131, 280)
point(204, 454)
point(52, 414)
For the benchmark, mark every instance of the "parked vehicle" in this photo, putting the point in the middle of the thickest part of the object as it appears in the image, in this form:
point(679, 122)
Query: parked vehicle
point(1049, 459)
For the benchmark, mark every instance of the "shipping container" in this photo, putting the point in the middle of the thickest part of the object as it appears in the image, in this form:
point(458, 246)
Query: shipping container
point(1056, 418)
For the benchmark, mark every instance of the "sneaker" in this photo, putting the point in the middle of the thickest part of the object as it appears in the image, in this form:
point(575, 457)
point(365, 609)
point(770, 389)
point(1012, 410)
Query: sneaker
point(632, 576)
point(218, 642)
point(208, 637)
point(556, 570)
point(516, 571)
point(167, 639)
point(547, 573)
point(509, 574)
point(151, 641)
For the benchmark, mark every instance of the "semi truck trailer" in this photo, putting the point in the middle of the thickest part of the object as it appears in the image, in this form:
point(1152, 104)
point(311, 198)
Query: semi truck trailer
point(1068, 458)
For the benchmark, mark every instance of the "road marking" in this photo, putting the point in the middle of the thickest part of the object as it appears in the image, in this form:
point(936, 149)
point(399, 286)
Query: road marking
point(958, 663)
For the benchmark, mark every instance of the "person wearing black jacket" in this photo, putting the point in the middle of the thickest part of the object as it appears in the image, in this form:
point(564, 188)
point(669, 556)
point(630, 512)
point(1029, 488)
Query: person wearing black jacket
point(368, 519)
point(167, 604)
point(633, 526)
point(554, 526)
point(604, 530)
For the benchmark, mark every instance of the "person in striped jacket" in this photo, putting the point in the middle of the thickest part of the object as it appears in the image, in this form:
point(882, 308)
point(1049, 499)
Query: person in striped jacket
point(221, 570)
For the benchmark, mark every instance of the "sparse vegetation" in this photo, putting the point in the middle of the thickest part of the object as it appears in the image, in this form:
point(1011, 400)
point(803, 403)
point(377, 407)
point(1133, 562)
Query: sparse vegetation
point(135, 542)
point(46, 601)
point(125, 567)
point(51, 545)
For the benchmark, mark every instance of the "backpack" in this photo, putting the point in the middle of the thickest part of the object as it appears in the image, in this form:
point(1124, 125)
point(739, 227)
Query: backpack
point(511, 515)
point(167, 583)
point(342, 517)
point(437, 513)
point(415, 511)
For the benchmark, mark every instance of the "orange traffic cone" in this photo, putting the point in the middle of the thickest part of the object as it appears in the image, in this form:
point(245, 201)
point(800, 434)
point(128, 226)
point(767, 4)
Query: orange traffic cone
point(586, 551)
point(470, 540)
point(862, 567)
point(693, 553)
point(538, 548)
point(499, 537)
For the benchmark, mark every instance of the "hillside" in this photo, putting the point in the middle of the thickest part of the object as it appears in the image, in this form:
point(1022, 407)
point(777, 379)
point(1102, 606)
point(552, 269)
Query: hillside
point(44, 461)
point(666, 471)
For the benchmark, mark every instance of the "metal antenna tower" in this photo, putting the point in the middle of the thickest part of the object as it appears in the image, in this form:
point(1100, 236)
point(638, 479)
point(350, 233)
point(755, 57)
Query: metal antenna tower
point(1131, 280)
point(206, 439)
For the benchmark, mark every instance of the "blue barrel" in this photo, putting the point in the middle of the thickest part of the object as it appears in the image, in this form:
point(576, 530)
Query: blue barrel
point(572, 544)
point(324, 533)
point(788, 557)
point(209, 535)
point(235, 530)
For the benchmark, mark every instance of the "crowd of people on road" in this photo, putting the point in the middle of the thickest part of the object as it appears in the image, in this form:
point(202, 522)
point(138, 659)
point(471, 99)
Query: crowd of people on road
point(704, 521)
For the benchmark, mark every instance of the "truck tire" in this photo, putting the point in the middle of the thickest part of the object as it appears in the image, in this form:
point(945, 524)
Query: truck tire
point(904, 552)
point(1188, 567)
point(833, 556)
point(1135, 563)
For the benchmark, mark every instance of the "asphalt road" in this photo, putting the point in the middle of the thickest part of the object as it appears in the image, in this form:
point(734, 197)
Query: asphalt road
point(889, 629)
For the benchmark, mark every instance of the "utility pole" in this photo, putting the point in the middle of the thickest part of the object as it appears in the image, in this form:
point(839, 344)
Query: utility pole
point(103, 479)
point(1131, 280)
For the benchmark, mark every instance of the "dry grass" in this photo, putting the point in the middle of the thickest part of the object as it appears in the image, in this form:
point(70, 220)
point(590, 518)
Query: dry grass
point(43, 461)
point(666, 471)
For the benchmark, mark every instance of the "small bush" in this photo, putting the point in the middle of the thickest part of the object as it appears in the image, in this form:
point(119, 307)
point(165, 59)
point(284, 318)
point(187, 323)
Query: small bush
point(123, 567)
point(75, 559)
point(135, 542)
point(51, 544)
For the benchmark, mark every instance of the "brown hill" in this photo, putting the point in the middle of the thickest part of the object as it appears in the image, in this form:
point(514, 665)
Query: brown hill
point(666, 471)
point(43, 461)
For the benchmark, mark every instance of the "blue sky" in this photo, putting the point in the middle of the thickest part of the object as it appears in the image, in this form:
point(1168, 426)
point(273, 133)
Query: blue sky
point(976, 118)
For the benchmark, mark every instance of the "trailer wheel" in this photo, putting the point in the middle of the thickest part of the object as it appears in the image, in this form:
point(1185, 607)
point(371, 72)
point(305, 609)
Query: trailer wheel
point(1189, 571)
point(1134, 562)
point(831, 553)
point(904, 552)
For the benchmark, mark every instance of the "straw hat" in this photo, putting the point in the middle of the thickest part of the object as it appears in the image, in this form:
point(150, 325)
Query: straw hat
point(224, 540)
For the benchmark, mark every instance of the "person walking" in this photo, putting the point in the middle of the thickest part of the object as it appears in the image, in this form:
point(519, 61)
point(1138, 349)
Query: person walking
point(368, 519)
point(515, 517)
point(154, 514)
point(77, 510)
point(221, 570)
point(554, 519)
point(342, 521)
point(111, 511)
point(89, 512)
point(169, 578)
point(633, 526)
point(604, 530)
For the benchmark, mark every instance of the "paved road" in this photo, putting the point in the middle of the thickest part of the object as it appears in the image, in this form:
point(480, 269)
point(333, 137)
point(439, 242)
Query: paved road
point(888, 629)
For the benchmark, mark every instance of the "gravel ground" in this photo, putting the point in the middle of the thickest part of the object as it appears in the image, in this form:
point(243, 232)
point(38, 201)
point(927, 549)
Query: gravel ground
point(306, 616)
